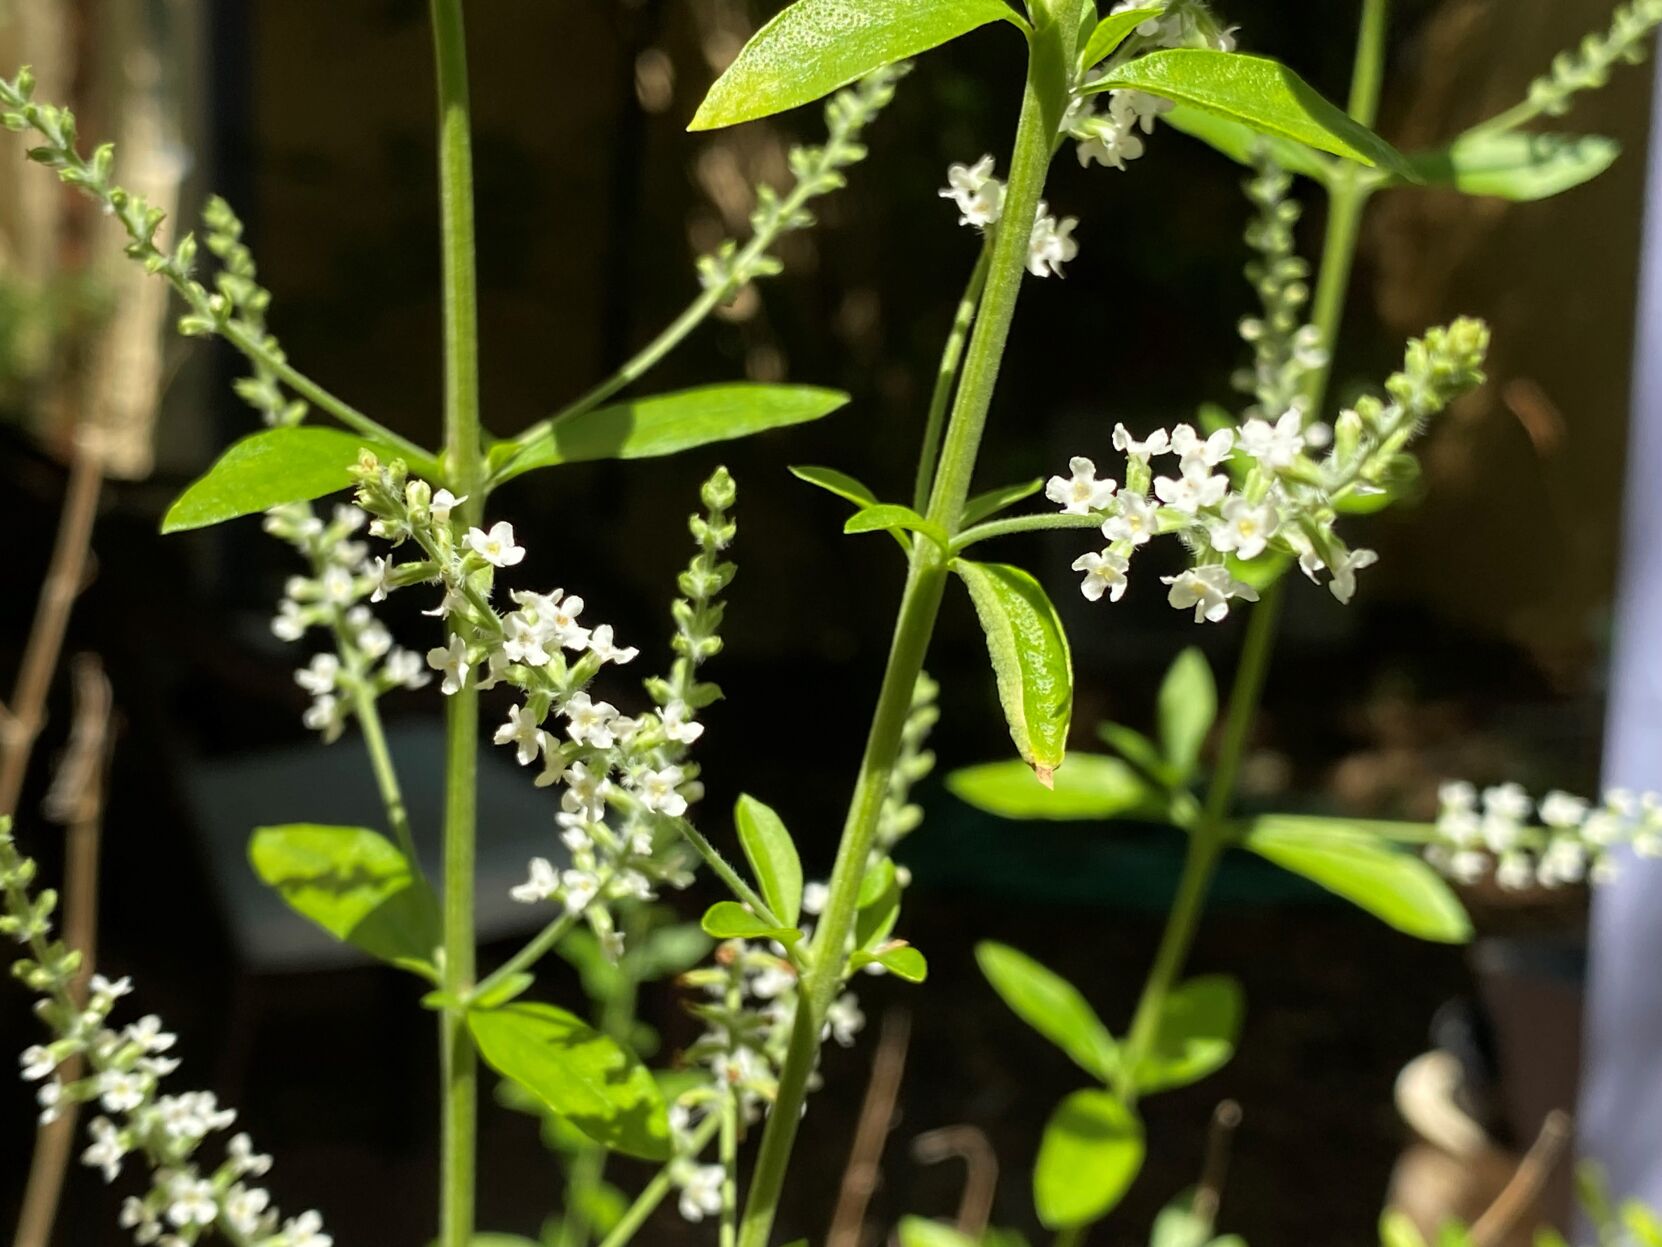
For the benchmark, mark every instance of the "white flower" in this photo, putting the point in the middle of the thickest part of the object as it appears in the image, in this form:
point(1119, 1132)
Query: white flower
point(1051, 244)
point(453, 661)
point(1104, 573)
point(1560, 809)
point(678, 723)
point(701, 1191)
point(37, 1063)
point(578, 887)
point(1343, 584)
point(106, 1150)
point(306, 1230)
point(553, 768)
point(1158, 443)
point(540, 886)
point(589, 722)
point(814, 896)
point(240, 1151)
point(523, 640)
point(658, 791)
point(136, 1215)
point(244, 1206)
point(1081, 493)
point(1508, 801)
point(562, 622)
point(404, 667)
point(1208, 589)
point(603, 647)
point(1245, 528)
point(101, 988)
point(120, 1091)
point(50, 1100)
point(586, 792)
point(1565, 861)
point(1133, 521)
point(843, 1019)
point(978, 194)
point(1193, 450)
point(1133, 108)
point(319, 676)
point(497, 546)
point(1195, 489)
point(1110, 144)
point(523, 732)
point(1276, 446)
point(443, 503)
point(192, 1202)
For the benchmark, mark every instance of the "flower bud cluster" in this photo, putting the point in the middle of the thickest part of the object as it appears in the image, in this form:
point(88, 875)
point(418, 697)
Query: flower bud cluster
point(602, 761)
point(365, 662)
point(238, 284)
point(1241, 492)
point(1588, 67)
point(899, 816)
point(979, 197)
point(1562, 840)
point(1285, 349)
point(121, 1069)
point(818, 171)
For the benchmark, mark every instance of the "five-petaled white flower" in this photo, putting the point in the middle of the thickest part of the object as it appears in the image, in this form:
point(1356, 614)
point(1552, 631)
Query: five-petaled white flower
point(1343, 584)
point(978, 194)
point(522, 731)
point(843, 1019)
point(658, 791)
point(590, 722)
point(1158, 443)
point(497, 546)
point(1134, 521)
point(701, 1191)
point(1245, 528)
point(541, 885)
point(1208, 590)
point(1081, 493)
point(192, 1202)
point(107, 1148)
point(1276, 446)
point(443, 503)
point(1104, 573)
point(453, 661)
point(1051, 244)
point(1194, 489)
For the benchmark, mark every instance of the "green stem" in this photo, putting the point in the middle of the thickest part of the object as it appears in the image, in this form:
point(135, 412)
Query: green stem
point(945, 376)
point(463, 460)
point(1044, 99)
point(742, 891)
point(646, 1203)
point(1022, 524)
point(386, 775)
point(528, 956)
point(1073, 1236)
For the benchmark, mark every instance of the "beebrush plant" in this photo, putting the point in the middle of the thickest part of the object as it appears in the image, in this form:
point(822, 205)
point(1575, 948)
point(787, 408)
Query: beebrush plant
point(1243, 498)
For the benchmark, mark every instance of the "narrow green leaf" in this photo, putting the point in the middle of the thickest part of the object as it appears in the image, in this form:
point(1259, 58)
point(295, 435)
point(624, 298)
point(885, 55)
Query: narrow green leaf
point(729, 920)
point(577, 1072)
point(355, 884)
point(886, 516)
point(1050, 1005)
point(1199, 1023)
point(666, 424)
point(1139, 750)
point(1241, 143)
point(1188, 704)
point(510, 989)
point(1091, 786)
point(1112, 31)
point(269, 469)
point(903, 961)
point(919, 1232)
point(772, 856)
point(835, 482)
point(1091, 1152)
point(1030, 657)
point(1262, 93)
point(1516, 165)
point(993, 501)
point(874, 883)
point(1368, 871)
point(816, 46)
point(875, 918)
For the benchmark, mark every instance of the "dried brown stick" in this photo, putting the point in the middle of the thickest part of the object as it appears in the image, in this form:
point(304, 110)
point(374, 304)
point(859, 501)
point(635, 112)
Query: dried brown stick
point(1220, 1140)
point(1523, 1192)
point(969, 1144)
point(76, 800)
point(876, 1117)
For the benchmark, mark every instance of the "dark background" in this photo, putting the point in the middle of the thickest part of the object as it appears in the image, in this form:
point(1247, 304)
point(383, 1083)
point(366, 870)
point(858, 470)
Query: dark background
point(1474, 649)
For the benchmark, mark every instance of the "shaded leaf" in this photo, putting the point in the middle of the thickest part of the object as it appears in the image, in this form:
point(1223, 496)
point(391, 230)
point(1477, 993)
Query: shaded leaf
point(577, 1072)
point(270, 469)
point(666, 424)
point(875, 918)
point(993, 501)
point(1050, 1005)
point(1515, 165)
point(772, 856)
point(1241, 143)
point(355, 884)
point(1090, 786)
point(1090, 1155)
point(816, 46)
point(1030, 657)
point(835, 482)
point(1188, 704)
point(1112, 31)
point(1139, 750)
point(1200, 1021)
point(1370, 872)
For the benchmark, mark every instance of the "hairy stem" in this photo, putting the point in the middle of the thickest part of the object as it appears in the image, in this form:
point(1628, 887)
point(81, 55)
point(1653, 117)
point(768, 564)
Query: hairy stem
point(463, 462)
point(945, 376)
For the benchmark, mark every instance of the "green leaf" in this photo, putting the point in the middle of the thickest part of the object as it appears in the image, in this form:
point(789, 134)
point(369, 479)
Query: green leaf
point(668, 951)
point(1368, 871)
point(509, 990)
point(1179, 1225)
point(835, 482)
point(1517, 166)
point(919, 1232)
point(729, 920)
point(1241, 143)
point(1091, 786)
point(886, 516)
point(993, 501)
point(875, 883)
point(666, 424)
point(355, 884)
point(816, 46)
point(1112, 31)
point(1090, 1154)
point(1050, 1005)
point(1195, 1036)
point(772, 856)
point(1030, 657)
point(1397, 1229)
point(1139, 750)
point(1259, 92)
point(1188, 704)
point(875, 918)
point(268, 469)
point(901, 960)
point(577, 1072)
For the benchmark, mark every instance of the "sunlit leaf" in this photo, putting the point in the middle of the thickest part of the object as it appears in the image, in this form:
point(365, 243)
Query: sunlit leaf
point(729, 920)
point(904, 962)
point(887, 516)
point(1050, 1005)
point(918, 1232)
point(993, 501)
point(269, 469)
point(1091, 786)
point(772, 856)
point(1517, 165)
point(1242, 144)
point(835, 482)
point(1090, 1154)
point(1112, 31)
point(1200, 1020)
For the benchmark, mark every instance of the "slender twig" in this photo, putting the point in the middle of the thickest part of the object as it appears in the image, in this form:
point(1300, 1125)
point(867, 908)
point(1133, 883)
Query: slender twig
point(1220, 1142)
point(1021, 524)
point(876, 1119)
point(646, 1203)
point(1523, 1192)
point(77, 800)
point(971, 1145)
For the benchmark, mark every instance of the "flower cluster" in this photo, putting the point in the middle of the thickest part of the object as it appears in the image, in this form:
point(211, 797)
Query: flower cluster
point(237, 282)
point(1239, 493)
point(899, 817)
point(1562, 840)
point(121, 1069)
point(979, 197)
point(601, 759)
point(1286, 351)
point(818, 171)
point(1110, 139)
point(365, 662)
